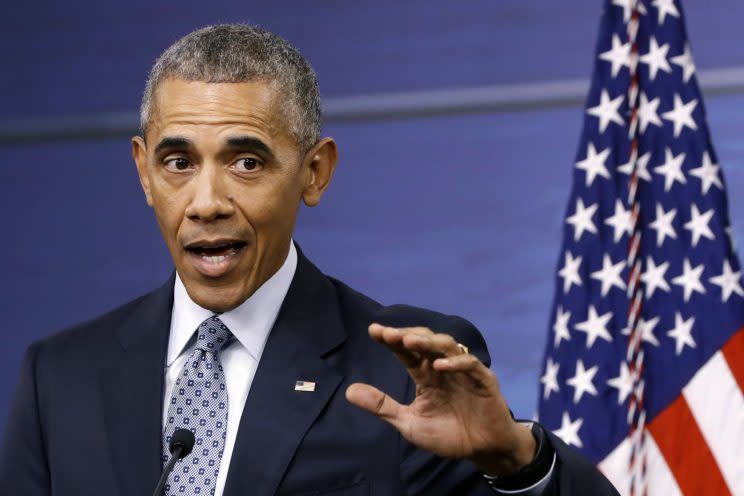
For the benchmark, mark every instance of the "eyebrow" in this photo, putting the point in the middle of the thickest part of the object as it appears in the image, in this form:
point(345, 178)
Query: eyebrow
point(173, 143)
point(234, 143)
point(249, 143)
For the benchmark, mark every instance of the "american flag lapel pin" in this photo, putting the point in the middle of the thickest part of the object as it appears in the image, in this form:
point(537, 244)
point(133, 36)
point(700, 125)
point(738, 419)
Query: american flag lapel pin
point(304, 386)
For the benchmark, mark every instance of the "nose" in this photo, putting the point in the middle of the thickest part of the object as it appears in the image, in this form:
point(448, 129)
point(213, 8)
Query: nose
point(210, 200)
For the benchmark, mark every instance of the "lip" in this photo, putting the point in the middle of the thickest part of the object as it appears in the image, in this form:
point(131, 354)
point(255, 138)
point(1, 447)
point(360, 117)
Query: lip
point(215, 265)
point(202, 243)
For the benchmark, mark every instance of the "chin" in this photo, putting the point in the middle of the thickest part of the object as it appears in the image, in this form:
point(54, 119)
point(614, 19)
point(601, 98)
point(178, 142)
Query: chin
point(218, 300)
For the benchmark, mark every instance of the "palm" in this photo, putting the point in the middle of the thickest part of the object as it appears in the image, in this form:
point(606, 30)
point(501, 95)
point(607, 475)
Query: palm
point(458, 410)
point(451, 415)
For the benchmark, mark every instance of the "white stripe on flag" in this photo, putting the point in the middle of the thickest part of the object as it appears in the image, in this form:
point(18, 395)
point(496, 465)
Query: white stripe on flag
point(615, 467)
point(658, 476)
point(717, 403)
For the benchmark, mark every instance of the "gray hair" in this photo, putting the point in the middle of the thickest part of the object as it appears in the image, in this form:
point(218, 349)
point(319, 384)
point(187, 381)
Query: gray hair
point(234, 53)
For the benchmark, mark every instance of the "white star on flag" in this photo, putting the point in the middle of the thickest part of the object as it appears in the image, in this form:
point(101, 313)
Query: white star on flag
point(581, 220)
point(570, 271)
point(698, 224)
point(606, 111)
point(684, 60)
point(729, 282)
point(621, 221)
point(707, 173)
point(663, 224)
point(618, 55)
point(665, 7)
point(681, 114)
point(595, 326)
point(647, 330)
point(641, 167)
point(623, 383)
point(609, 275)
point(655, 58)
point(647, 112)
point(594, 164)
point(671, 169)
point(569, 431)
point(560, 327)
point(653, 277)
point(582, 381)
point(682, 333)
point(550, 378)
point(690, 279)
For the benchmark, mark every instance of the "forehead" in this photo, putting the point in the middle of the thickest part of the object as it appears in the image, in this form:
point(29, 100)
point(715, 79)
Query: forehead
point(186, 107)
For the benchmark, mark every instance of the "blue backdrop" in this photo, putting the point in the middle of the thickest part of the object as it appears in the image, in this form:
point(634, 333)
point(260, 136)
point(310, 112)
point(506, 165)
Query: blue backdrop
point(461, 214)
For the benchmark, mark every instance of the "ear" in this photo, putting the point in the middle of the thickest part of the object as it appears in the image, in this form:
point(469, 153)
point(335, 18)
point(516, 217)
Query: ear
point(139, 154)
point(319, 163)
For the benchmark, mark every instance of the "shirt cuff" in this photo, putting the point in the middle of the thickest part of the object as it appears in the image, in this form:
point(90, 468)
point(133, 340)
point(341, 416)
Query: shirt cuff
point(532, 479)
point(535, 489)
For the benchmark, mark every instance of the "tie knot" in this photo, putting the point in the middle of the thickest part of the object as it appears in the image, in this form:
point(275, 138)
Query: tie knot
point(213, 335)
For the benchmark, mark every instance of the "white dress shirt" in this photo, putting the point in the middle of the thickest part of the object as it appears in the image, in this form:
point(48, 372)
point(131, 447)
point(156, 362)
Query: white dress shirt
point(250, 323)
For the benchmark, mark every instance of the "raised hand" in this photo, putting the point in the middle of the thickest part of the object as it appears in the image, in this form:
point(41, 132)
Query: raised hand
point(458, 411)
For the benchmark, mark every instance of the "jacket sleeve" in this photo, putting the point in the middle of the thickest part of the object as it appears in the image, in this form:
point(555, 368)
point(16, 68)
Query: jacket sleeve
point(425, 473)
point(575, 474)
point(23, 462)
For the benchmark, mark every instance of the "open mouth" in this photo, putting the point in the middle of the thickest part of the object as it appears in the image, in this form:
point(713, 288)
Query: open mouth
point(215, 252)
point(215, 258)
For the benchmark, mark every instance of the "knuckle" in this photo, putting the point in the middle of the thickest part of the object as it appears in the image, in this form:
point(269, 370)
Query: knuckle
point(425, 331)
point(380, 404)
point(468, 362)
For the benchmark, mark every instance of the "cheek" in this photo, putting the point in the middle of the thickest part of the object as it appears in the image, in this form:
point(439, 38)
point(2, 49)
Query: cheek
point(169, 223)
point(271, 206)
point(169, 207)
point(262, 211)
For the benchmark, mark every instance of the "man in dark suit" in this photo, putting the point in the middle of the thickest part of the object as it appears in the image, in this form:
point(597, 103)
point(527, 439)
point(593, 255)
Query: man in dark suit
point(248, 345)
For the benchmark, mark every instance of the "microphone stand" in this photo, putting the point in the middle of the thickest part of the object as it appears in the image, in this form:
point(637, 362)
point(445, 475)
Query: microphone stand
point(175, 456)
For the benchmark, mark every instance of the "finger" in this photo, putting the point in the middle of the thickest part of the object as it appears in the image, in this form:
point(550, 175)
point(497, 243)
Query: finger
point(392, 338)
point(471, 366)
point(383, 333)
point(433, 345)
point(416, 348)
point(374, 401)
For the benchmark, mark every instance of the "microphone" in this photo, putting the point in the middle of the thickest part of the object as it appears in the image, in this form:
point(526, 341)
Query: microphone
point(181, 443)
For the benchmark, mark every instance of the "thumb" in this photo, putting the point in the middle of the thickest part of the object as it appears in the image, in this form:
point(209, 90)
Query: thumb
point(376, 402)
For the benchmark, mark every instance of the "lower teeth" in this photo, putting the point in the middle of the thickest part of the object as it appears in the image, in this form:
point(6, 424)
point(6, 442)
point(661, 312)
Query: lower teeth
point(216, 259)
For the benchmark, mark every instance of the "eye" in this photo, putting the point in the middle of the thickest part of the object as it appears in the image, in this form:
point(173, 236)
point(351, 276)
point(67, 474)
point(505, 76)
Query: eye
point(177, 164)
point(248, 164)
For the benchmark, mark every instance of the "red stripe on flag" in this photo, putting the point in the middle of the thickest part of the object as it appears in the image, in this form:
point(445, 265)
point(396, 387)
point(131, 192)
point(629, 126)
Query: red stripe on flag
point(733, 351)
point(687, 454)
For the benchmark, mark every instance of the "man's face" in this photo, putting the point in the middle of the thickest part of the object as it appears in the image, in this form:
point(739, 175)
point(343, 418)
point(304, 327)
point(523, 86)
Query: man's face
point(225, 178)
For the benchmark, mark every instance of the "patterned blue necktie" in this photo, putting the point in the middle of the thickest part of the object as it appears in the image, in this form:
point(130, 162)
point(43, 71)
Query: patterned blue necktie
point(199, 403)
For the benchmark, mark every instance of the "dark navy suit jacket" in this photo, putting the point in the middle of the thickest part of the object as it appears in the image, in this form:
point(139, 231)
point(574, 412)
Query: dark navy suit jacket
point(86, 419)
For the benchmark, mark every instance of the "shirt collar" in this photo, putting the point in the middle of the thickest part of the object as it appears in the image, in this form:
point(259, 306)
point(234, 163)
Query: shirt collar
point(250, 322)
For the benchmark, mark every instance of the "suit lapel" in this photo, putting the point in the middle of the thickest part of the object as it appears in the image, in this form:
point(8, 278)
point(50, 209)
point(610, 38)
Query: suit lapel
point(276, 416)
point(133, 393)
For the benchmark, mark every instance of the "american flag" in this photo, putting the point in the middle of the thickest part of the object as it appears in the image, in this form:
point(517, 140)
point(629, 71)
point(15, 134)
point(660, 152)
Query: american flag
point(644, 365)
